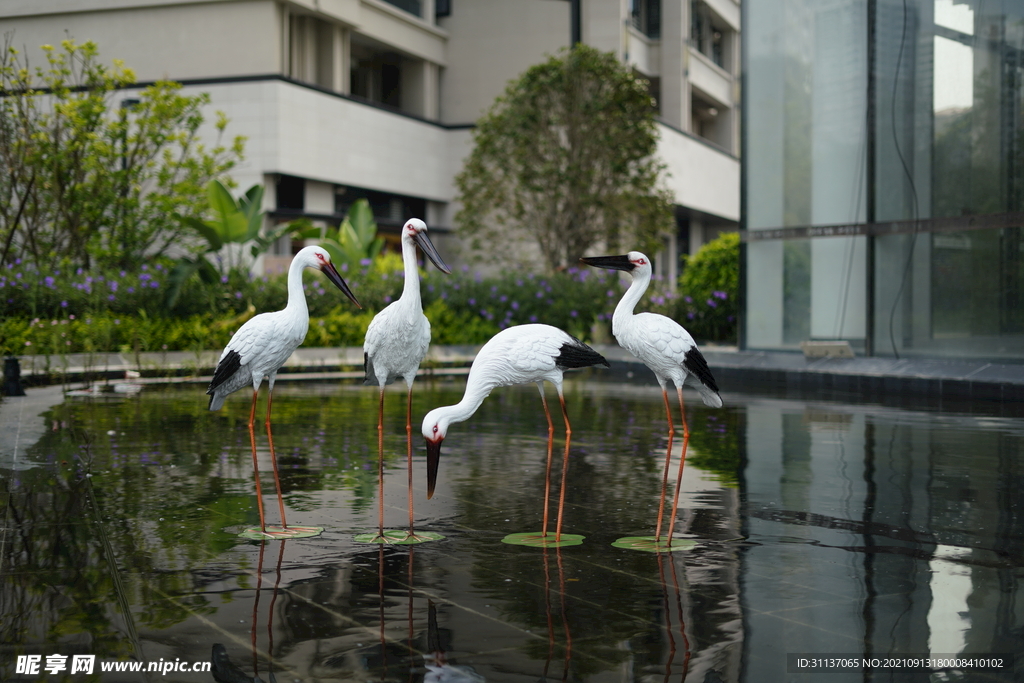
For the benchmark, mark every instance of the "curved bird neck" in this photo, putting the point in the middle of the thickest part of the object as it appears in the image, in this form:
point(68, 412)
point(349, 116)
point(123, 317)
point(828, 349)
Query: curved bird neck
point(411, 289)
point(624, 310)
point(471, 400)
point(296, 295)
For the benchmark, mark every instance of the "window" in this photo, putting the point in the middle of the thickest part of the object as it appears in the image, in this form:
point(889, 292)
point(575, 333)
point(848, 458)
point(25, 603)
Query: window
point(376, 75)
point(410, 6)
point(389, 210)
point(709, 120)
point(646, 17)
point(708, 33)
point(291, 193)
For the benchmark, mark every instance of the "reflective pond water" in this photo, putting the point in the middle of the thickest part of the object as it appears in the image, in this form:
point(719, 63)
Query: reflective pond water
point(821, 527)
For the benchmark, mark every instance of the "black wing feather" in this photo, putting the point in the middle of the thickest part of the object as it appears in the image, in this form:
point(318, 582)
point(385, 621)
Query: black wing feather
point(370, 378)
point(576, 354)
point(698, 367)
point(227, 367)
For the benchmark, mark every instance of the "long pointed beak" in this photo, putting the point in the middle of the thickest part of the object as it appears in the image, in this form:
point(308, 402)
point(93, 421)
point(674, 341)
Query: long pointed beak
point(428, 248)
point(610, 262)
point(433, 460)
point(331, 272)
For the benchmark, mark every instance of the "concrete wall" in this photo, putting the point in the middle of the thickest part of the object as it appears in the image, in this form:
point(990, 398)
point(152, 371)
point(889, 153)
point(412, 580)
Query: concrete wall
point(700, 177)
point(177, 40)
point(491, 42)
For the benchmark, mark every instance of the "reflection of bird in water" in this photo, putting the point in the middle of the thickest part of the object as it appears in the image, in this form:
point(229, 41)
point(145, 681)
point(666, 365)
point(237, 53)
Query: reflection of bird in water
point(259, 348)
point(666, 348)
point(396, 342)
point(438, 668)
point(224, 671)
point(516, 355)
point(441, 672)
point(668, 619)
point(551, 623)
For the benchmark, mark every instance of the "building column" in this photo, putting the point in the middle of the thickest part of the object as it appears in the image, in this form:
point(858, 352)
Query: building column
point(674, 91)
point(432, 91)
point(286, 40)
point(342, 60)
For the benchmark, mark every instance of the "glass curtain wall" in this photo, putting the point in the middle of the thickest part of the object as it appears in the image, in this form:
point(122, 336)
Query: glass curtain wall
point(955, 115)
point(805, 164)
point(869, 112)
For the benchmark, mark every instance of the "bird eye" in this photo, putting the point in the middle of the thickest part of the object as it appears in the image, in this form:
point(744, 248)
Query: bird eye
point(640, 261)
point(435, 429)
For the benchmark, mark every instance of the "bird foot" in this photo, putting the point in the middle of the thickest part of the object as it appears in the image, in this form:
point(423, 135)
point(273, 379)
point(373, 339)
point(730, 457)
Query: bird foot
point(654, 544)
point(279, 533)
point(396, 537)
point(538, 539)
point(421, 537)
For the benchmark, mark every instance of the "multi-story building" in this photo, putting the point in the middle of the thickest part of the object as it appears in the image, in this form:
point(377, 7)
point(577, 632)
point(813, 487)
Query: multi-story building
point(883, 176)
point(342, 99)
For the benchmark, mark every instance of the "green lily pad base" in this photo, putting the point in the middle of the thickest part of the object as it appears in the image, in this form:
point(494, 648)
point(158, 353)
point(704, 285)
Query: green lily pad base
point(279, 533)
point(654, 544)
point(538, 540)
point(396, 537)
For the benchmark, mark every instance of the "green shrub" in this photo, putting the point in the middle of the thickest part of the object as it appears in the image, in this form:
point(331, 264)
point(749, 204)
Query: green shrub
point(340, 327)
point(103, 311)
point(450, 326)
point(573, 299)
point(709, 290)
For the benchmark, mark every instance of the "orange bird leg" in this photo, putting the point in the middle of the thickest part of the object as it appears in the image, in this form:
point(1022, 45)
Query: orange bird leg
point(408, 442)
point(565, 469)
point(547, 472)
point(682, 462)
point(255, 461)
point(668, 460)
point(273, 461)
point(380, 463)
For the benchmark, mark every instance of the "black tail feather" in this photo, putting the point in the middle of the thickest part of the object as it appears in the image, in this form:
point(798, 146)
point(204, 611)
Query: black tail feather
point(227, 367)
point(576, 354)
point(698, 367)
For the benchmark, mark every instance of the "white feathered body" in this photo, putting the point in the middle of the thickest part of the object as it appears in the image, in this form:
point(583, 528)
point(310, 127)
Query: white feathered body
point(396, 341)
point(660, 342)
point(398, 337)
point(263, 344)
point(519, 355)
point(664, 345)
point(516, 355)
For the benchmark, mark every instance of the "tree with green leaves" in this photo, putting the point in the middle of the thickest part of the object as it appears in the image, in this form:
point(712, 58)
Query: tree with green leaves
point(89, 181)
point(566, 157)
point(233, 223)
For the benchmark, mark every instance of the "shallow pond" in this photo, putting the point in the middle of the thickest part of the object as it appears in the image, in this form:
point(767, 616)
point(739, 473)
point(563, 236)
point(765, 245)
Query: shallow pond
point(822, 529)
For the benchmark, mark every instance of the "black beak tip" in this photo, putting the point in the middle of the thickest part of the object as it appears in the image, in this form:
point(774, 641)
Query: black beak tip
point(332, 274)
point(433, 460)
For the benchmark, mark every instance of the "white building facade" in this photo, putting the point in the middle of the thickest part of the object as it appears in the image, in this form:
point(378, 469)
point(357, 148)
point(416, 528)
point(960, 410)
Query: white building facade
point(342, 99)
